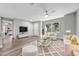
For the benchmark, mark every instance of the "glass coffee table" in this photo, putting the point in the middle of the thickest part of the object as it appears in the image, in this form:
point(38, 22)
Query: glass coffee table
point(45, 42)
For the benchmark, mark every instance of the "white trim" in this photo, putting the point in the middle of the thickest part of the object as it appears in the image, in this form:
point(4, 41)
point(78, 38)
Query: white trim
point(1, 46)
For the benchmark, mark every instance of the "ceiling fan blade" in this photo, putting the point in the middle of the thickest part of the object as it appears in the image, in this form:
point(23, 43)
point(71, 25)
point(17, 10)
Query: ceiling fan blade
point(31, 3)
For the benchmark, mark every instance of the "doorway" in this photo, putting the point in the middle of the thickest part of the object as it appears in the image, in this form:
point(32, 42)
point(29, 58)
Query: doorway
point(7, 32)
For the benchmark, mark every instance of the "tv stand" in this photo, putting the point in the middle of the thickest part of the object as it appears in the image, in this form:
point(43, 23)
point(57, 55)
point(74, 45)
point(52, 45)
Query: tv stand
point(23, 35)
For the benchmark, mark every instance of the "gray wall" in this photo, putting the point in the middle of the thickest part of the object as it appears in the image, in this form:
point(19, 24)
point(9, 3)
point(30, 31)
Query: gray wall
point(70, 22)
point(61, 24)
point(77, 22)
point(0, 35)
point(18, 23)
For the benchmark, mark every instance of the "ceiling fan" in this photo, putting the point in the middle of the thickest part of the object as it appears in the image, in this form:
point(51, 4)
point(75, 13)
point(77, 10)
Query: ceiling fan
point(48, 13)
point(44, 7)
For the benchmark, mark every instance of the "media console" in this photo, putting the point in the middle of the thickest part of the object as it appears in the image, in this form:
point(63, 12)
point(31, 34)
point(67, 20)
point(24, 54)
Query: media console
point(23, 35)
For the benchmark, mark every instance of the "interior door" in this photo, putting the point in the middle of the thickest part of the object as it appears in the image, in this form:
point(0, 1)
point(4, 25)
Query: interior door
point(36, 29)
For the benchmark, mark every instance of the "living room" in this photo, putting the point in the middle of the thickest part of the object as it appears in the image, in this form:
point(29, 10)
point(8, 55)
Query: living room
point(38, 29)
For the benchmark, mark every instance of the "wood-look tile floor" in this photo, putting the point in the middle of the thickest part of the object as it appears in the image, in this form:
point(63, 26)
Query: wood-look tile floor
point(56, 48)
point(8, 49)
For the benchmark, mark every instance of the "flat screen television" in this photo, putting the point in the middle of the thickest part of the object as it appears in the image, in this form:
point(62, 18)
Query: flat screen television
point(23, 29)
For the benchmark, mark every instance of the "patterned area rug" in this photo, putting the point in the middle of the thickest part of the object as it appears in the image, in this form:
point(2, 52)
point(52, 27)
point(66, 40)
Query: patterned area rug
point(55, 49)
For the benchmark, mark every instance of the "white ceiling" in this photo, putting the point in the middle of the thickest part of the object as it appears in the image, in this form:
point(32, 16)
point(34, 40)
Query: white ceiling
point(36, 11)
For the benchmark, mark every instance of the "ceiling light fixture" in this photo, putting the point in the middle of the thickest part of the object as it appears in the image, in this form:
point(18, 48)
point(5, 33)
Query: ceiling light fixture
point(46, 15)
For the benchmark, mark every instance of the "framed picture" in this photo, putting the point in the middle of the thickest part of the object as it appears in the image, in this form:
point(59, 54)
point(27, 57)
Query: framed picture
point(55, 27)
